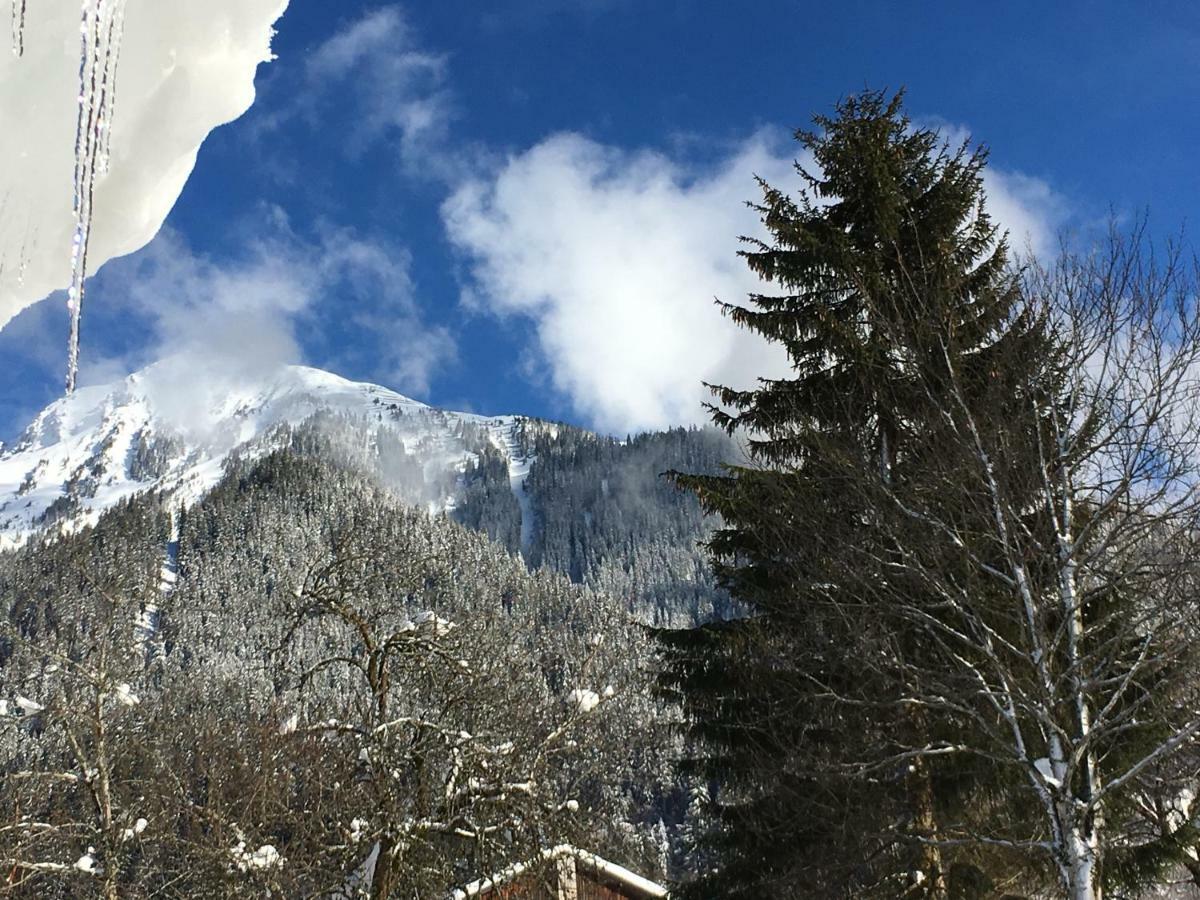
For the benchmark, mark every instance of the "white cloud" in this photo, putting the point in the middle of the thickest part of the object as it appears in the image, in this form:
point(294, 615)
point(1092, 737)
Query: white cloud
point(1025, 206)
point(372, 280)
point(231, 316)
point(185, 68)
point(613, 256)
point(246, 317)
point(1030, 211)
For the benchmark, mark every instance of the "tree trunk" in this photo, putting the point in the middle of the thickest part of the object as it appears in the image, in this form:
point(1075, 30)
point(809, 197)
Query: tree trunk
point(925, 824)
point(924, 812)
point(383, 880)
point(1084, 883)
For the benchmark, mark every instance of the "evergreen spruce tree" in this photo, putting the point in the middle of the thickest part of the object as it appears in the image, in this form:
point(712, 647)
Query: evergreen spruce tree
point(890, 276)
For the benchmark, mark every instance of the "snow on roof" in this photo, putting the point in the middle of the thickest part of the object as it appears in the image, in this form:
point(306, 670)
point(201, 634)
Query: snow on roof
point(601, 866)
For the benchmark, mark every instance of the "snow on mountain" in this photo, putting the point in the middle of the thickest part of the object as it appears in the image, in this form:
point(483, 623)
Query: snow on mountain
point(163, 428)
point(519, 464)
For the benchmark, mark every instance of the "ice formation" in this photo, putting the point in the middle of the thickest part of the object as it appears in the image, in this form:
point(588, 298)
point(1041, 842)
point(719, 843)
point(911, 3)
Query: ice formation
point(101, 27)
point(18, 27)
point(184, 68)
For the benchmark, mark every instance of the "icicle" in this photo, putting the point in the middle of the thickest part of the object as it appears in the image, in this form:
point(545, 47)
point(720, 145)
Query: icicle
point(100, 26)
point(112, 61)
point(18, 27)
point(89, 27)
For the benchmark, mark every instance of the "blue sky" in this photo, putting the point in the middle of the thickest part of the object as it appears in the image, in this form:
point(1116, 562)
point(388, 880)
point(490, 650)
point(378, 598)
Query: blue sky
point(527, 205)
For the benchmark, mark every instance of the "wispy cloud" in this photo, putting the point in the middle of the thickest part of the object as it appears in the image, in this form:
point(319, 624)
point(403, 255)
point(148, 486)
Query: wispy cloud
point(399, 88)
point(339, 301)
point(377, 300)
point(375, 79)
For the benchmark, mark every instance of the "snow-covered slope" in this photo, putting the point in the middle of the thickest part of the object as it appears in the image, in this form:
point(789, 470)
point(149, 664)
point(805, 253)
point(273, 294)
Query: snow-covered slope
point(163, 428)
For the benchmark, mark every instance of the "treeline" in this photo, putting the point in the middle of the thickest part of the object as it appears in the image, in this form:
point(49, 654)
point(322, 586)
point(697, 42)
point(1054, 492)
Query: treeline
point(602, 512)
point(605, 515)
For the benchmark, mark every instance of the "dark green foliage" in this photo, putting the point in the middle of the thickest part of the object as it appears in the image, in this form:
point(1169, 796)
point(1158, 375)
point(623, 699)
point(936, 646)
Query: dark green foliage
point(605, 515)
point(892, 284)
point(486, 502)
point(150, 456)
point(602, 512)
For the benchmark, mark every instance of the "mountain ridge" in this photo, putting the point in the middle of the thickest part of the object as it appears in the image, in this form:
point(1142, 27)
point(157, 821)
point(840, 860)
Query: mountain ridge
point(591, 507)
point(164, 429)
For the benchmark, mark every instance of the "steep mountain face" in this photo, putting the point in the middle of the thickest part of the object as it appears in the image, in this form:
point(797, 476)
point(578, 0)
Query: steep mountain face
point(158, 430)
point(589, 506)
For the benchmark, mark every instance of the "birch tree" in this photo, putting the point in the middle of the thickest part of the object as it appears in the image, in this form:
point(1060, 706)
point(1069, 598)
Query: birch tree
point(1047, 567)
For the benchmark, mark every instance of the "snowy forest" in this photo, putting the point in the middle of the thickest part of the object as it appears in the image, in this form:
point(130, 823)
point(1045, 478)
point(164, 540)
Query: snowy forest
point(914, 614)
point(462, 709)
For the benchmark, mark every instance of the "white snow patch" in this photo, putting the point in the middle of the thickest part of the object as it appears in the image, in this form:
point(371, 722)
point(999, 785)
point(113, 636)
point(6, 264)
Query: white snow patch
point(431, 623)
point(90, 439)
point(1046, 770)
point(125, 696)
point(265, 857)
point(138, 827)
point(584, 700)
point(505, 435)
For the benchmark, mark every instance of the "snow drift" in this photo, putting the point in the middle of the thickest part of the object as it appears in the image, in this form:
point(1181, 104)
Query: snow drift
point(185, 68)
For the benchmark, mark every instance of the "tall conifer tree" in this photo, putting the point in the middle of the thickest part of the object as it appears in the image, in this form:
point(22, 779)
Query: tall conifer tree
point(888, 273)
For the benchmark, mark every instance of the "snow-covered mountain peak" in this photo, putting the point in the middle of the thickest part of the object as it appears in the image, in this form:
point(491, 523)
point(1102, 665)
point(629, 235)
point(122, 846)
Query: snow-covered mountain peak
point(166, 428)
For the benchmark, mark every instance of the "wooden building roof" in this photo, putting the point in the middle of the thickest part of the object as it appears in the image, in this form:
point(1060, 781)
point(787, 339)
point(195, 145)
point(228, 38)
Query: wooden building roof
point(576, 875)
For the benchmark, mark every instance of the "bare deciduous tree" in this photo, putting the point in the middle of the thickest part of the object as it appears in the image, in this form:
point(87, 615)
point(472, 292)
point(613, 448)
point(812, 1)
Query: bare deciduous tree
point(453, 751)
point(1044, 577)
point(70, 748)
